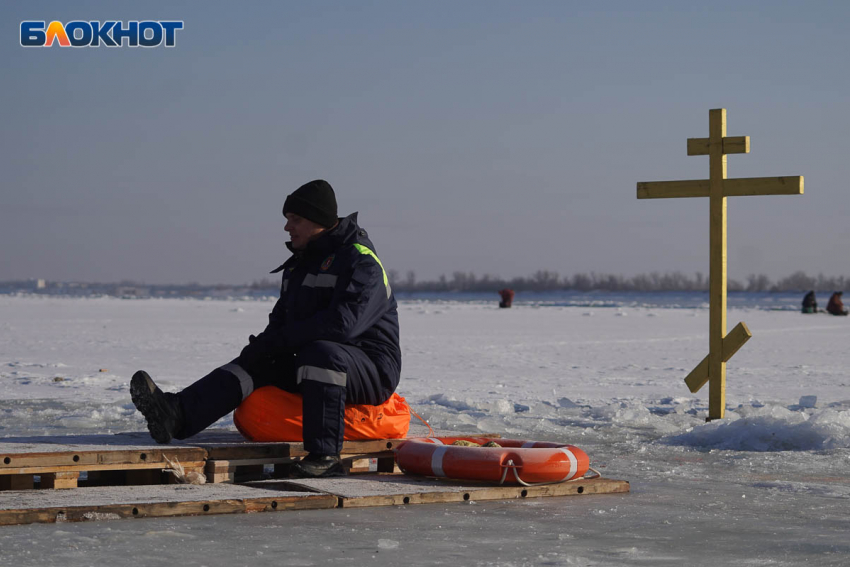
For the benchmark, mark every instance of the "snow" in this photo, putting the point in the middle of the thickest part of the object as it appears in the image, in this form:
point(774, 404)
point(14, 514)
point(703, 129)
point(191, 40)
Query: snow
point(770, 481)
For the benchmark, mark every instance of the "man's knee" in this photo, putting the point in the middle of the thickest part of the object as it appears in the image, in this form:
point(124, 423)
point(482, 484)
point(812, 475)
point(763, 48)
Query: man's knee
point(321, 352)
point(324, 362)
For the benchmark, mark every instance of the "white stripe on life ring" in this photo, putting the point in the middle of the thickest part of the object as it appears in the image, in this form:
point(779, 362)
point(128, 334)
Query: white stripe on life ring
point(435, 440)
point(573, 463)
point(437, 461)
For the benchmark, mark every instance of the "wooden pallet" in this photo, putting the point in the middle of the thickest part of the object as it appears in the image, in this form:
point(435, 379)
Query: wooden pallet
point(133, 458)
point(114, 502)
point(59, 462)
point(230, 458)
point(394, 490)
point(96, 467)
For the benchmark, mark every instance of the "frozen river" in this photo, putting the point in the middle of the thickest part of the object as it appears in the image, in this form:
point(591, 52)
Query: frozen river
point(769, 485)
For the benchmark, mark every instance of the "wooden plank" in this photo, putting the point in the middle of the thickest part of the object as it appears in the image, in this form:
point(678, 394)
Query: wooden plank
point(60, 480)
point(731, 145)
point(100, 452)
point(230, 445)
point(25, 507)
point(740, 187)
point(82, 452)
point(104, 457)
point(396, 490)
point(237, 470)
point(717, 265)
point(731, 343)
point(107, 467)
point(736, 145)
point(221, 464)
point(735, 340)
point(756, 186)
point(672, 189)
point(474, 493)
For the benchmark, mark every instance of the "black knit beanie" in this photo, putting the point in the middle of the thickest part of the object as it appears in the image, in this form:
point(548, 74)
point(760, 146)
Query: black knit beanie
point(314, 201)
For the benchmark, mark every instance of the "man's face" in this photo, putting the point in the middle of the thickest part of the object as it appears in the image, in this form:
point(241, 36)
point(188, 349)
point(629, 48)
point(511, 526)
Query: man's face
point(301, 231)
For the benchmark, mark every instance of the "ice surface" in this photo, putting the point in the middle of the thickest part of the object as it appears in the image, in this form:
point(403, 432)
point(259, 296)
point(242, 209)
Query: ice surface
point(771, 481)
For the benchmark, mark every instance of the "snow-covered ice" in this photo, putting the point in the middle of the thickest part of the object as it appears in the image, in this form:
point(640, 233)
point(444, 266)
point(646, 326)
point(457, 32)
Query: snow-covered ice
point(769, 485)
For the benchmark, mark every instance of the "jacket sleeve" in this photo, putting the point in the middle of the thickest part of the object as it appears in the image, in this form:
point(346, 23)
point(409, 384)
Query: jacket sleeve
point(276, 317)
point(360, 300)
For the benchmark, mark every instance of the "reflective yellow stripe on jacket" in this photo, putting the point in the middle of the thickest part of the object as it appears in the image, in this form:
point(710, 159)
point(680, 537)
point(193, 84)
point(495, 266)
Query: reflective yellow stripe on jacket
point(366, 252)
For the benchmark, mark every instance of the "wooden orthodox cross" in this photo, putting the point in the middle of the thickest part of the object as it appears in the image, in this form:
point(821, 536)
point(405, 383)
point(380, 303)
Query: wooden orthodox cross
point(721, 346)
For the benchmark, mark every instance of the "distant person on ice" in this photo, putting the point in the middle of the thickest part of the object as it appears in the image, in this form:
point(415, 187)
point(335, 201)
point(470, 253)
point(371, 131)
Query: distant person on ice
point(507, 298)
point(810, 304)
point(333, 337)
point(835, 305)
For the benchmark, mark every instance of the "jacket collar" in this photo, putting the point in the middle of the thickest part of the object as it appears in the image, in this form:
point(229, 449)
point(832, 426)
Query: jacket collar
point(345, 231)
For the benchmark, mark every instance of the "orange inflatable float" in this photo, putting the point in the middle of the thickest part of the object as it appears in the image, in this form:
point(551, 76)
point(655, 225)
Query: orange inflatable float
point(272, 414)
point(513, 461)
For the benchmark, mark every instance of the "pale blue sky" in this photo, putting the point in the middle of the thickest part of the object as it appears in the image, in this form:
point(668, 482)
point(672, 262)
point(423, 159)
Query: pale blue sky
point(497, 137)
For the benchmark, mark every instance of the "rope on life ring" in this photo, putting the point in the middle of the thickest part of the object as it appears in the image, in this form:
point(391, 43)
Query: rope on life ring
point(510, 465)
point(539, 462)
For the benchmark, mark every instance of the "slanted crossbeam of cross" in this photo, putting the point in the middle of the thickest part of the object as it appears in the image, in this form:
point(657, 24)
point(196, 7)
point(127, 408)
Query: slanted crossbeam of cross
point(721, 346)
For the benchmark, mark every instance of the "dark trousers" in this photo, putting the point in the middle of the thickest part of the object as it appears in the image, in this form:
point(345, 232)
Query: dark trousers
point(326, 374)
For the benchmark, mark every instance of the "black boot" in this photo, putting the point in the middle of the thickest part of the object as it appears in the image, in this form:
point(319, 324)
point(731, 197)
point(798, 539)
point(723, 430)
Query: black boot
point(318, 466)
point(162, 411)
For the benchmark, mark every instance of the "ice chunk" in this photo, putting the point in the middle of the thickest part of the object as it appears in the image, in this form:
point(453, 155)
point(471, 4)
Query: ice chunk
point(502, 407)
point(808, 401)
point(772, 428)
point(450, 402)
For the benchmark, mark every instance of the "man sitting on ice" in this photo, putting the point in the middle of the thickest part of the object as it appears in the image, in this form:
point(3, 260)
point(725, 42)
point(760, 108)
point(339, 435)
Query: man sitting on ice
point(835, 305)
point(333, 337)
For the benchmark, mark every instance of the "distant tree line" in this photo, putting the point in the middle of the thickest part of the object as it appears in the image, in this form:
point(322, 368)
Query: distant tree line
point(545, 280)
point(542, 280)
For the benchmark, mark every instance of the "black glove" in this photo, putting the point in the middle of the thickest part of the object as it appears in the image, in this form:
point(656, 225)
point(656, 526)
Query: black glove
point(257, 350)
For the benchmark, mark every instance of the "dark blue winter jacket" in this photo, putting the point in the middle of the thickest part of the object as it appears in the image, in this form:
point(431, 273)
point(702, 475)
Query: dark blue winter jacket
point(336, 289)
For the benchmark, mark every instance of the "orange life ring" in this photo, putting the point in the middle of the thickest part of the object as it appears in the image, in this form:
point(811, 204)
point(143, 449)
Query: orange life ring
point(271, 414)
point(516, 461)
